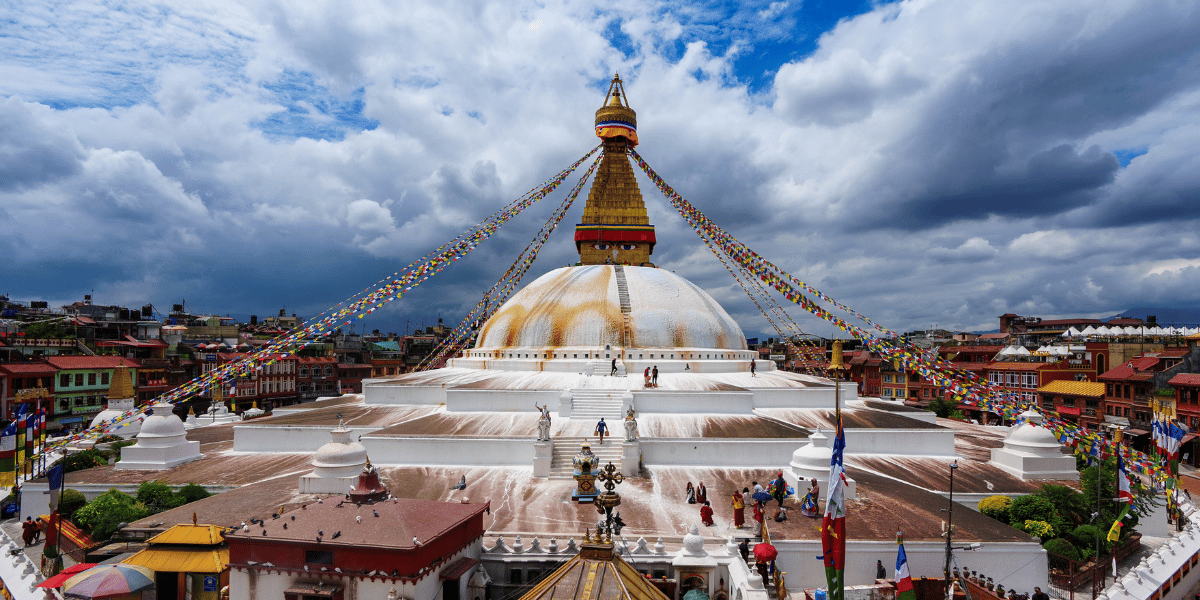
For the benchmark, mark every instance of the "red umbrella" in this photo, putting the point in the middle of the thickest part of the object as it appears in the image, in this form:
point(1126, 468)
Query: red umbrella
point(57, 580)
point(765, 552)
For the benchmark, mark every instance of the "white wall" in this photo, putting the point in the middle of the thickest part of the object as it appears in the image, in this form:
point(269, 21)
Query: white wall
point(288, 438)
point(693, 402)
point(473, 400)
point(450, 451)
point(385, 393)
point(725, 452)
point(1019, 565)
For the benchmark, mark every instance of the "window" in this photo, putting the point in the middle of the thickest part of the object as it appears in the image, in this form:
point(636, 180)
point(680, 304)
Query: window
point(900, 392)
point(1108, 389)
point(64, 380)
point(888, 379)
point(517, 576)
point(91, 379)
point(79, 380)
point(887, 392)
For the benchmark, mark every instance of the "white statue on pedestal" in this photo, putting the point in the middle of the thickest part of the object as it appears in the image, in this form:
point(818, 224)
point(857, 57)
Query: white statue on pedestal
point(630, 426)
point(543, 423)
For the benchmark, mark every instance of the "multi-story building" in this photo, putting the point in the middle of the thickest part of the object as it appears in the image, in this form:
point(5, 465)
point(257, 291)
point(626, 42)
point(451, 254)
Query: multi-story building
point(1187, 409)
point(1078, 402)
point(864, 368)
point(316, 376)
point(26, 383)
point(271, 383)
point(81, 384)
point(350, 377)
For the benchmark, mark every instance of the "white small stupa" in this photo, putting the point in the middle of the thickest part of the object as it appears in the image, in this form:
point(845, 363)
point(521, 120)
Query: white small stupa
point(217, 413)
point(161, 444)
point(336, 465)
point(812, 461)
point(121, 399)
point(1032, 451)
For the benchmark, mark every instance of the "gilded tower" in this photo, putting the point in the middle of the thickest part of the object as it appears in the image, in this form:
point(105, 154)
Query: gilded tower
point(614, 228)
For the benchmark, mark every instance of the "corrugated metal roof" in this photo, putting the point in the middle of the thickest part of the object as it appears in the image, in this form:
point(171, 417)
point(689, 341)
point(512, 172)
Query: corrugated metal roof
point(1093, 389)
point(181, 559)
point(190, 535)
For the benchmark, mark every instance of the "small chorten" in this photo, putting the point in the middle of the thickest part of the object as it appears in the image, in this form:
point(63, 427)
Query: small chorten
point(615, 228)
point(161, 444)
point(336, 465)
point(1032, 451)
point(121, 399)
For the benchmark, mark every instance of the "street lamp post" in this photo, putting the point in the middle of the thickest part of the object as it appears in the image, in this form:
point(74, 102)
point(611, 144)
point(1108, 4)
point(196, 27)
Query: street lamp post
point(949, 528)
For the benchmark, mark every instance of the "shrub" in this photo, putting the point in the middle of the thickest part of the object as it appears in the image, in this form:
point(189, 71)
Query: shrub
point(101, 517)
point(996, 507)
point(116, 447)
point(1030, 508)
point(1040, 529)
point(191, 493)
point(156, 496)
point(1086, 535)
point(82, 460)
point(71, 501)
point(1063, 548)
point(112, 437)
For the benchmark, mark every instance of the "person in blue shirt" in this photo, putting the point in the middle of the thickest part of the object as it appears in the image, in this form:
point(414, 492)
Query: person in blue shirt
point(601, 430)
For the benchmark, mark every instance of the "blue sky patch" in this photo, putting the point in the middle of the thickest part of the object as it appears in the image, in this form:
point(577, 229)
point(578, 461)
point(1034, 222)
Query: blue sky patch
point(1127, 155)
point(311, 111)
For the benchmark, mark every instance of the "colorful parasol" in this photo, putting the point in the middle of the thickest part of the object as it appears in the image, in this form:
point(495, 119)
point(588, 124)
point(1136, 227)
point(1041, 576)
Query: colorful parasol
point(108, 581)
point(765, 552)
point(57, 580)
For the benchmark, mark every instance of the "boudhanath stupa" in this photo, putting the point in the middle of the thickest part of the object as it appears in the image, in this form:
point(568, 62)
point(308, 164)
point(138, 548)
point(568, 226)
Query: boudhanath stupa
point(573, 346)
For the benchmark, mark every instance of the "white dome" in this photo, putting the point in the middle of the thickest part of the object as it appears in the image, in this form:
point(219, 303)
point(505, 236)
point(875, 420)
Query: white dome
point(581, 307)
point(814, 455)
point(129, 428)
point(1032, 437)
point(340, 454)
point(162, 428)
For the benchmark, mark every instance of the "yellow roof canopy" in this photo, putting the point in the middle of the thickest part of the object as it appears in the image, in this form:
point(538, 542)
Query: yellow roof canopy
point(182, 560)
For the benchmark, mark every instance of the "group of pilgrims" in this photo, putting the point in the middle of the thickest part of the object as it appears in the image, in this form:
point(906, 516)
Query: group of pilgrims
point(777, 489)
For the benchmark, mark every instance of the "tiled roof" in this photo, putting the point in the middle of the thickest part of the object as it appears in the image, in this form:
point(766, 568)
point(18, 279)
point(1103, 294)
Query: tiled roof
point(1145, 363)
point(993, 336)
point(1124, 321)
point(28, 368)
point(1185, 379)
point(90, 362)
point(1092, 389)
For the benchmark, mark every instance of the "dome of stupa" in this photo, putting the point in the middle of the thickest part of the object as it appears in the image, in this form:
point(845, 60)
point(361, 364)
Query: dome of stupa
point(340, 454)
point(813, 456)
point(161, 428)
point(581, 307)
point(1032, 437)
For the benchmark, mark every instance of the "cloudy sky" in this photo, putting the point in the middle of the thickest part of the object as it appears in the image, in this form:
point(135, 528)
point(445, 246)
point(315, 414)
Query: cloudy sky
point(925, 162)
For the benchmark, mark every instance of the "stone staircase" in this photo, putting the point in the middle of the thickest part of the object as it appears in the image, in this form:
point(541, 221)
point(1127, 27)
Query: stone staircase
point(565, 449)
point(593, 405)
point(623, 295)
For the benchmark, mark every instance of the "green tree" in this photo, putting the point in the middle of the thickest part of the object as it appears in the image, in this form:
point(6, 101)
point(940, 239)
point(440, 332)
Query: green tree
point(191, 493)
point(70, 502)
point(941, 407)
point(1063, 548)
point(157, 496)
point(1145, 499)
point(1030, 508)
point(1069, 507)
point(1086, 536)
point(101, 517)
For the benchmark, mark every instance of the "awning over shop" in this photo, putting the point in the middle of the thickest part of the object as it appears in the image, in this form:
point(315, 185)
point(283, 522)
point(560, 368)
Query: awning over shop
point(181, 559)
point(1067, 410)
point(74, 542)
point(1187, 438)
point(1135, 432)
point(1116, 420)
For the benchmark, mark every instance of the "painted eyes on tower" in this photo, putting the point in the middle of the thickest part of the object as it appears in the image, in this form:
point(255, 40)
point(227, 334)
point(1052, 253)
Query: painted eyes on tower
point(629, 246)
point(601, 246)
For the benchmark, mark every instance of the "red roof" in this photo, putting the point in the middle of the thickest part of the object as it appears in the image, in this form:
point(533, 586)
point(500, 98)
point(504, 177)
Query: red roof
point(1144, 363)
point(90, 362)
point(28, 368)
point(1185, 379)
point(1067, 410)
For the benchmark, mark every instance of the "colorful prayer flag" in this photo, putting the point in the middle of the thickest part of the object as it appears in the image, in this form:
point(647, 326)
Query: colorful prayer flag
point(833, 527)
point(8, 455)
point(904, 584)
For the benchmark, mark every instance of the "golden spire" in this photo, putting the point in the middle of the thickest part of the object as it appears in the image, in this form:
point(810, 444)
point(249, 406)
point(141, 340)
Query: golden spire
point(615, 227)
point(121, 386)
